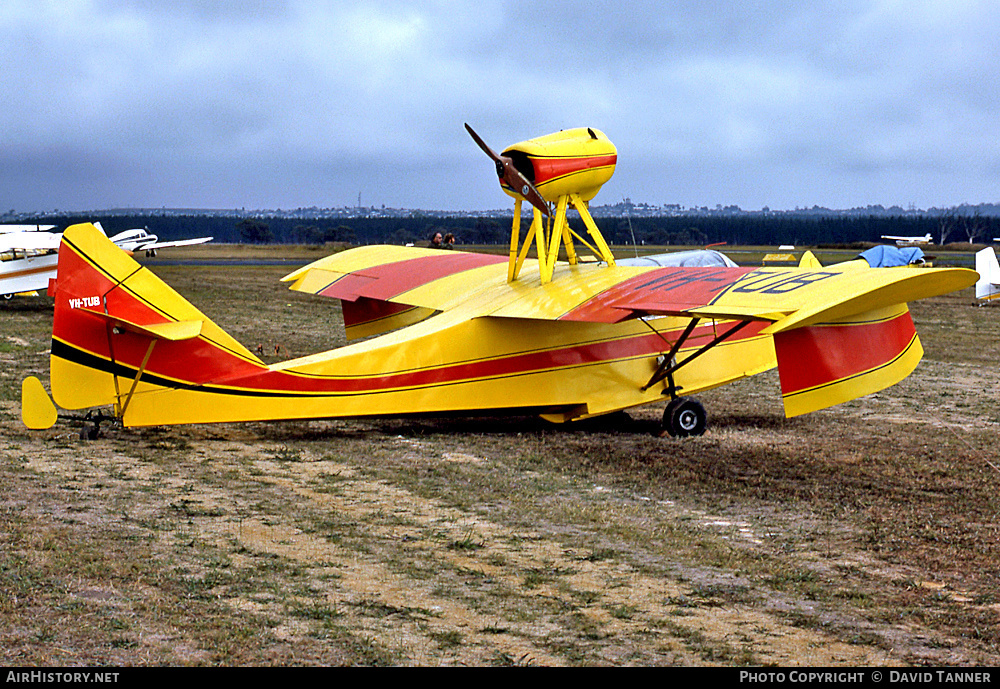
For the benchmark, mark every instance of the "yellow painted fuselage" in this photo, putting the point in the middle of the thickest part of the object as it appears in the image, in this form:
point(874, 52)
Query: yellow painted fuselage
point(462, 359)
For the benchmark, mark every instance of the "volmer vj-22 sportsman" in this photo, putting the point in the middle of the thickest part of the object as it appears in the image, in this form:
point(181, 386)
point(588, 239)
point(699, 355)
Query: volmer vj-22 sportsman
point(568, 334)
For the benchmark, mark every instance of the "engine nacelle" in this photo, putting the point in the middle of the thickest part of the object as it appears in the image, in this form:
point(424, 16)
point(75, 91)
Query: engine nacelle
point(573, 161)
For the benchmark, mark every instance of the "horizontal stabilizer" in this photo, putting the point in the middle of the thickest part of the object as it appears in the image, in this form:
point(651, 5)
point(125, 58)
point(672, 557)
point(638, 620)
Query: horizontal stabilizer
point(174, 331)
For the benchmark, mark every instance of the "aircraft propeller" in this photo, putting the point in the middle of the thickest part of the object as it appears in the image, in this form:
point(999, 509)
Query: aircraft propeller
point(512, 177)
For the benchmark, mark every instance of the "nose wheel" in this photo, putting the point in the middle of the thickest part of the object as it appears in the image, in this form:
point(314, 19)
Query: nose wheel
point(684, 416)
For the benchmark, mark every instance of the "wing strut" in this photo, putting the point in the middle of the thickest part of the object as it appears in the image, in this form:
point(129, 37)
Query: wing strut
point(669, 365)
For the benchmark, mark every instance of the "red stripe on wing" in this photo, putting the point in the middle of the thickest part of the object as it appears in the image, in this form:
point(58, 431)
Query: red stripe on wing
point(664, 291)
point(392, 279)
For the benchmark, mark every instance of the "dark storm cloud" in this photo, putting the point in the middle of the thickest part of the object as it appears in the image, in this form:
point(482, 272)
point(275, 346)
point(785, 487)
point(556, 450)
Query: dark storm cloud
point(286, 104)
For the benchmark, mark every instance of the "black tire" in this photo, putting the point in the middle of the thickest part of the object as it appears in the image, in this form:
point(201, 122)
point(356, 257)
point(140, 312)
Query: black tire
point(684, 417)
point(668, 413)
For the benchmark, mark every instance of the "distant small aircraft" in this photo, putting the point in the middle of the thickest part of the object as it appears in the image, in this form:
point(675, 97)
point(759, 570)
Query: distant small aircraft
point(28, 257)
point(988, 287)
point(908, 241)
point(142, 240)
point(456, 332)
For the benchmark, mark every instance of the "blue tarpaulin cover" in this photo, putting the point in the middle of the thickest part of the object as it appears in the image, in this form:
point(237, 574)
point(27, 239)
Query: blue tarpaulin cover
point(888, 256)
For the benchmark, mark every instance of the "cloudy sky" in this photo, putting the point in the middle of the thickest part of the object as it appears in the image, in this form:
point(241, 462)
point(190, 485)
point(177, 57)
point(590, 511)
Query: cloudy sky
point(286, 104)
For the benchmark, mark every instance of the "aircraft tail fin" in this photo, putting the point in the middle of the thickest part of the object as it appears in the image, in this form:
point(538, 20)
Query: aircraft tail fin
point(988, 268)
point(118, 330)
point(809, 260)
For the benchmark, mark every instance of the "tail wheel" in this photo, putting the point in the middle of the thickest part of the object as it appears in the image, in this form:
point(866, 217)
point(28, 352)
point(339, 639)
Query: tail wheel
point(685, 416)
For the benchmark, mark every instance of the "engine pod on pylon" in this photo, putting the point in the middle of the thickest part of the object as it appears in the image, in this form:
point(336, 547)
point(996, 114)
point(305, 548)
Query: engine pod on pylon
point(573, 161)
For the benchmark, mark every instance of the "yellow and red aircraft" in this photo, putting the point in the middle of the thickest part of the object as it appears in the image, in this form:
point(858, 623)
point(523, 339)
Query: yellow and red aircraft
point(474, 333)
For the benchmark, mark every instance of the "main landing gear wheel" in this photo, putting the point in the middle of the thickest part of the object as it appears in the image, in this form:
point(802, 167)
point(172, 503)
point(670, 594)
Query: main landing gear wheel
point(684, 416)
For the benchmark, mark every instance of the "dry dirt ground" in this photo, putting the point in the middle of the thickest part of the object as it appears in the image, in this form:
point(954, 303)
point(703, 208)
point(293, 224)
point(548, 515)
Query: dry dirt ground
point(867, 534)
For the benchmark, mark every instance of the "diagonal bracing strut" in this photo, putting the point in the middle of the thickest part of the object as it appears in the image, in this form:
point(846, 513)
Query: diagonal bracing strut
point(669, 364)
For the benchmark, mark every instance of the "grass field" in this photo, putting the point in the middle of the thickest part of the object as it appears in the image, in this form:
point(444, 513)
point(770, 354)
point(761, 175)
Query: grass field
point(867, 534)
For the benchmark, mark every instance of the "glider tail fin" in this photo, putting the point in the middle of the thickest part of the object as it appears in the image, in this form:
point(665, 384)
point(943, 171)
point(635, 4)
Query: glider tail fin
point(120, 332)
point(988, 268)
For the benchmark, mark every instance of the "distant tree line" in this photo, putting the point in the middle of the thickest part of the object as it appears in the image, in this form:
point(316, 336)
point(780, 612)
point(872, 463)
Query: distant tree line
point(680, 229)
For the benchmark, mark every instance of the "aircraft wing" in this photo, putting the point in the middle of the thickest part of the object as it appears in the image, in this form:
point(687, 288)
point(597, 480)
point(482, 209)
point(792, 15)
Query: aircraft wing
point(29, 241)
point(179, 242)
point(388, 273)
point(789, 297)
point(4, 229)
point(387, 287)
point(839, 332)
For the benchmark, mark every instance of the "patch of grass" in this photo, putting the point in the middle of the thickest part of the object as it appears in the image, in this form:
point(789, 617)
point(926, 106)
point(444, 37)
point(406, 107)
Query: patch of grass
point(286, 453)
point(711, 650)
point(621, 611)
point(504, 659)
point(761, 513)
point(447, 639)
point(468, 543)
point(312, 610)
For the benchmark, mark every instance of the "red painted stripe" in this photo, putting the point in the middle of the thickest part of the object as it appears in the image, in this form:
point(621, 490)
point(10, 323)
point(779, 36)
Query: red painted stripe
point(389, 280)
point(516, 364)
point(547, 169)
point(813, 356)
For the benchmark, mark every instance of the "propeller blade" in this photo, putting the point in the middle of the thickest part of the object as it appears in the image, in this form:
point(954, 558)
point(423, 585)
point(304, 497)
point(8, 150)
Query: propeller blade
point(520, 185)
point(511, 176)
point(482, 144)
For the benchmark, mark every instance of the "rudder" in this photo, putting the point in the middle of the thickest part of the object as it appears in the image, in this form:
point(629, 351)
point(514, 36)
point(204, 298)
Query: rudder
point(119, 330)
